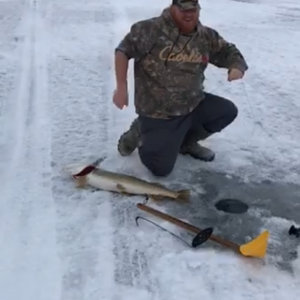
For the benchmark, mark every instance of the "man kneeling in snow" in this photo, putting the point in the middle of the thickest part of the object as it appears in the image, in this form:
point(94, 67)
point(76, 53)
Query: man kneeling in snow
point(171, 53)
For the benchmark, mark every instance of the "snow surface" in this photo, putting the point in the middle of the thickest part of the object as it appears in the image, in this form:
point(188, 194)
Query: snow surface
point(56, 84)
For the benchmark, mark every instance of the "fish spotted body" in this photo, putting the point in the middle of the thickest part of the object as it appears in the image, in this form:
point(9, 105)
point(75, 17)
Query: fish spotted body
point(122, 183)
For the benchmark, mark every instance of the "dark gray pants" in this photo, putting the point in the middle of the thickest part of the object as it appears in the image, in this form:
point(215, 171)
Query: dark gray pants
point(162, 138)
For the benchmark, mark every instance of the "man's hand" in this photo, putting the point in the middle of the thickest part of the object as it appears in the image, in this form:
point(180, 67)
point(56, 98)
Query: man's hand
point(235, 74)
point(120, 97)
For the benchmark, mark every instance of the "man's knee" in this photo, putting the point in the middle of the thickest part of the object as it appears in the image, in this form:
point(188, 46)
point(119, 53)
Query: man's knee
point(222, 114)
point(160, 170)
point(228, 114)
point(156, 164)
point(231, 111)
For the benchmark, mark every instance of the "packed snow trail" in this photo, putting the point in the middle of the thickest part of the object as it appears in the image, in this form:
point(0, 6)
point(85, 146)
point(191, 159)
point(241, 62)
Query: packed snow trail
point(29, 264)
point(57, 80)
point(80, 80)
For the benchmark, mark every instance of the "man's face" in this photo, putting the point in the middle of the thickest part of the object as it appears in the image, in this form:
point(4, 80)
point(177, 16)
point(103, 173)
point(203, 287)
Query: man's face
point(185, 19)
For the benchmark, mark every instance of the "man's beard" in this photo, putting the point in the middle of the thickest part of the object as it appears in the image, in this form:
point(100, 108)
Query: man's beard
point(186, 27)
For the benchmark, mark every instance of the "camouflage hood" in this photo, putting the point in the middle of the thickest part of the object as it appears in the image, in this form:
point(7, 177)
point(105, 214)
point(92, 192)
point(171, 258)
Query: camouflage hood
point(169, 66)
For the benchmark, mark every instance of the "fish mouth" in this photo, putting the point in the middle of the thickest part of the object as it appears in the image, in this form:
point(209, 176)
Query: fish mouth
point(87, 170)
point(74, 168)
point(79, 170)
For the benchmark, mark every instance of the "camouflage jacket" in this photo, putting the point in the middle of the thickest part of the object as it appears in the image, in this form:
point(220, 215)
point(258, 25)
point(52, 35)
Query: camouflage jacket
point(169, 66)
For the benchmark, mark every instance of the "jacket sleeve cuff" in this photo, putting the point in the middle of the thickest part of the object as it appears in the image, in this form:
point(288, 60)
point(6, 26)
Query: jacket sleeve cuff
point(242, 66)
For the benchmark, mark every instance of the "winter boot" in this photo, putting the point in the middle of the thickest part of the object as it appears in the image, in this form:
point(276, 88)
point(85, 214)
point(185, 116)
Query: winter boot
point(129, 140)
point(190, 146)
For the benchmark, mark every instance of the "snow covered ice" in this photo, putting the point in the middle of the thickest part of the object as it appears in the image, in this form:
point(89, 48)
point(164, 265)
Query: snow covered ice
point(56, 85)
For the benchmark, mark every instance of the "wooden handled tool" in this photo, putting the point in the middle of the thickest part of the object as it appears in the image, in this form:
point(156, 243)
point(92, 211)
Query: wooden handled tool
point(255, 248)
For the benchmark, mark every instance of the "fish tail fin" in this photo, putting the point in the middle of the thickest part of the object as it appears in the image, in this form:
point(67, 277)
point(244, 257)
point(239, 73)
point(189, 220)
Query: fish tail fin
point(183, 195)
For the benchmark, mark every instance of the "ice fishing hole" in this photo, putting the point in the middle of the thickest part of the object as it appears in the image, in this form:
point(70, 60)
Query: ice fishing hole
point(232, 206)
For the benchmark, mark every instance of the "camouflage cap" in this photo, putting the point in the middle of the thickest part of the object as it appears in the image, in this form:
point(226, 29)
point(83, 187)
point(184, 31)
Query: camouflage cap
point(186, 4)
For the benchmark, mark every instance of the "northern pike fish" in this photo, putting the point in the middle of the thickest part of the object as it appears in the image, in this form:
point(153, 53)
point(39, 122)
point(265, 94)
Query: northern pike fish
point(121, 183)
